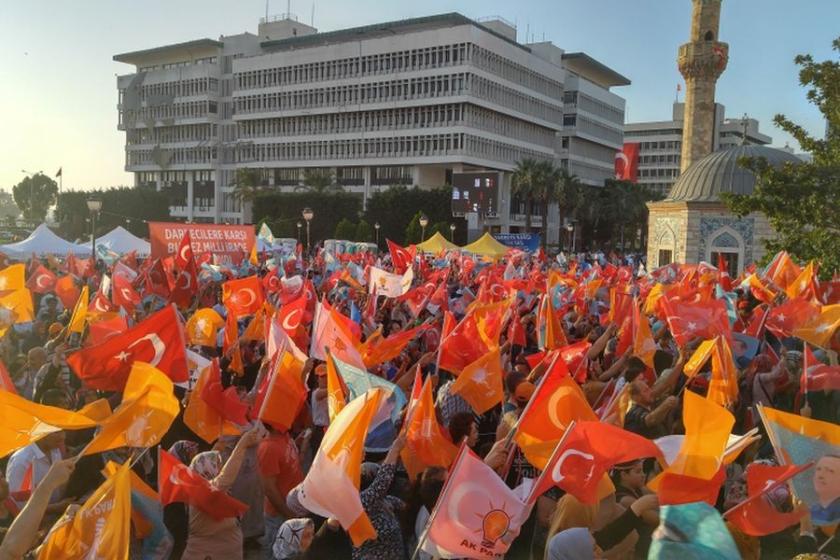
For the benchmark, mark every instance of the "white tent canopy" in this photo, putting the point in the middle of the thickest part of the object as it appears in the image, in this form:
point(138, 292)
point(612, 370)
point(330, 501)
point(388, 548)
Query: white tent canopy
point(43, 241)
point(121, 241)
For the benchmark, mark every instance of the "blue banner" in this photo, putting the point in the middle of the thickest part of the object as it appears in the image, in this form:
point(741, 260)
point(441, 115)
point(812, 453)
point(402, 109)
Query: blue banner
point(525, 241)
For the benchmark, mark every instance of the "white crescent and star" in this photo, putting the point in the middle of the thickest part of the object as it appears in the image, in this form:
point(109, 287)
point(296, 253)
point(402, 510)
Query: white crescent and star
point(157, 344)
point(286, 320)
point(42, 277)
point(252, 297)
point(556, 473)
point(623, 157)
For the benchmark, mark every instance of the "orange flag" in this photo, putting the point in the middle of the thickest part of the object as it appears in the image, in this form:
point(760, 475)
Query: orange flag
point(336, 393)
point(243, 296)
point(331, 487)
point(256, 328)
point(376, 350)
point(231, 334)
point(147, 411)
point(700, 458)
point(723, 387)
point(330, 331)
point(427, 444)
point(820, 330)
point(480, 383)
point(13, 277)
point(286, 393)
point(101, 528)
point(699, 357)
point(202, 327)
point(25, 422)
point(644, 347)
point(200, 417)
point(806, 284)
point(557, 401)
point(77, 320)
point(19, 306)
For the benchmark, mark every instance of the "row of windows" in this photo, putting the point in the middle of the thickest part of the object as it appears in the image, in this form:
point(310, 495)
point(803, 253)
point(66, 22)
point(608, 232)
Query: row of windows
point(588, 171)
point(660, 172)
point(187, 110)
point(175, 156)
point(593, 128)
point(657, 132)
point(171, 134)
point(666, 158)
point(180, 64)
point(398, 119)
point(175, 178)
point(593, 106)
point(405, 146)
point(402, 61)
point(670, 145)
point(345, 176)
point(394, 90)
point(152, 93)
point(584, 148)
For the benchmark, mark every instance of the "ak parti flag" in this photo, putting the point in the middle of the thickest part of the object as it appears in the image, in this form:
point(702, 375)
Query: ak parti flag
point(19, 303)
point(101, 528)
point(13, 277)
point(147, 411)
point(478, 516)
point(644, 347)
point(329, 331)
point(178, 483)
point(549, 329)
point(379, 350)
point(286, 393)
point(203, 326)
point(426, 443)
point(243, 296)
point(331, 487)
point(26, 422)
point(77, 320)
point(699, 462)
point(202, 418)
point(480, 383)
point(336, 391)
point(820, 330)
point(757, 516)
point(586, 453)
point(158, 340)
point(557, 402)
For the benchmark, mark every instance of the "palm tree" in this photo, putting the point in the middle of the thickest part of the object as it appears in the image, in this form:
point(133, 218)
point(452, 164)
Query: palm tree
point(546, 192)
point(569, 194)
point(318, 180)
point(524, 185)
point(246, 184)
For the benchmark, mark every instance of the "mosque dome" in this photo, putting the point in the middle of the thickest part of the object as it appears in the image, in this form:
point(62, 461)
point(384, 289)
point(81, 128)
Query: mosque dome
point(719, 172)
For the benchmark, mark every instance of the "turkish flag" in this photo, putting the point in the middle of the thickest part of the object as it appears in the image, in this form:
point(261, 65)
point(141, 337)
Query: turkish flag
point(516, 332)
point(696, 320)
point(401, 257)
point(159, 341)
point(42, 280)
point(184, 256)
point(462, 346)
point(243, 296)
point(756, 515)
point(225, 402)
point(100, 304)
point(793, 313)
point(67, 291)
point(291, 317)
point(817, 376)
point(100, 330)
point(155, 280)
point(186, 286)
point(627, 162)
point(179, 483)
point(586, 453)
point(271, 281)
point(123, 294)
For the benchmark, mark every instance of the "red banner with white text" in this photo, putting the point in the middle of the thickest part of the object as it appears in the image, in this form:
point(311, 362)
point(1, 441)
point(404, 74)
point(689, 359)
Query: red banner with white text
point(228, 244)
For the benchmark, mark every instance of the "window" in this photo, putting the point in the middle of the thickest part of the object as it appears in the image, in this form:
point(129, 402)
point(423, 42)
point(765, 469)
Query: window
point(731, 260)
point(665, 257)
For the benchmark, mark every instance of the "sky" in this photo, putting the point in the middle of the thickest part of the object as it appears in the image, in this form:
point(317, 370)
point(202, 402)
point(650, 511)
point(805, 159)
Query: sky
point(59, 96)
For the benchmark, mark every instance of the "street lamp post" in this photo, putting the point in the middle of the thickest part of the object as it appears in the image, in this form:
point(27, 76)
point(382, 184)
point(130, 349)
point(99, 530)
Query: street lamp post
point(94, 205)
point(299, 225)
point(376, 227)
point(308, 214)
point(424, 221)
point(452, 233)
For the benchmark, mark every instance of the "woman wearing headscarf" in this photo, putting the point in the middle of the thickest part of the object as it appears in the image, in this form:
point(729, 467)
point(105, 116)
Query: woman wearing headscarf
point(293, 539)
point(209, 539)
point(175, 514)
point(572, 544)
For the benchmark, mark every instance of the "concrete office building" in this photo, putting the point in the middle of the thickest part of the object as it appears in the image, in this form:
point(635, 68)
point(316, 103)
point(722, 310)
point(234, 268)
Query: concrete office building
point(401, 103)
point(660, 144)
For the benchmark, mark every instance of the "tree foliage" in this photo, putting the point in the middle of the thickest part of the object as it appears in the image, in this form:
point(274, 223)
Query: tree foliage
point(247, 184)
point(34, 195)
point(8, 208)
point(413, 231)
point(319, 180)
point(802, 201)
point(282, 212)
point(345, 229)
point(364, 232)
point(131, 208)
point(396, 207)
point(612, 215)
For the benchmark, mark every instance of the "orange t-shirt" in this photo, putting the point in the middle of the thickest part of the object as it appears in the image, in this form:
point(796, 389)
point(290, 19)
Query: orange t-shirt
point(278, 458)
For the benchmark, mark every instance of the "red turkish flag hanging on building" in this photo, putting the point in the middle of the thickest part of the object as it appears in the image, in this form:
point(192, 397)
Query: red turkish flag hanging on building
point(627, 162)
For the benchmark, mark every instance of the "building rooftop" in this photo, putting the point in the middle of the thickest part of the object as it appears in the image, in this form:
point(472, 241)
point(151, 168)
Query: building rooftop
point(451, 19)
point(134, 57)
point(586, 66)
point(719, 172)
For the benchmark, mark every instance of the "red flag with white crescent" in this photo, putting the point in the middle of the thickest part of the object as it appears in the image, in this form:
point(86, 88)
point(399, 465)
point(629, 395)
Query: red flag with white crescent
point(179, 483)
point(627, 162)
point(159, 341)
point(243, 296)
point(42, 280)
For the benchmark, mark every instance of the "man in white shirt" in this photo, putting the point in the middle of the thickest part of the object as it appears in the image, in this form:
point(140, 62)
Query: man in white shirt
point(40, 456)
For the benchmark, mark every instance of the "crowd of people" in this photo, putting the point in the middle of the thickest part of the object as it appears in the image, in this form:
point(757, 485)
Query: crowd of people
point(469, 365)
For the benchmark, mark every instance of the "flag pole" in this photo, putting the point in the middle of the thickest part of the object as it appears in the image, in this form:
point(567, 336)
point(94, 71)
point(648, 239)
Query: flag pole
point(773, 486)
point(531, 498)
point(443, 493)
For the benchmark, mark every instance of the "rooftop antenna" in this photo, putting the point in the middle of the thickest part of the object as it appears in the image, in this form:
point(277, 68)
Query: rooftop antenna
point(744, 124)
point(289, 9)
point(312, 17)
point(266, 11)
point(527, 32)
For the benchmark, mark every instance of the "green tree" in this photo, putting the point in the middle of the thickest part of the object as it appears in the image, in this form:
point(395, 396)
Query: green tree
point(131, 208)
point(802, 201)
point(35, 195)
point(364, 232)
point(247, 184)
point(525, 184)
point(345, 229)
point(282, 211)
point(8, 208)
point(394, 208)
point(413, 231)
point(319, 180)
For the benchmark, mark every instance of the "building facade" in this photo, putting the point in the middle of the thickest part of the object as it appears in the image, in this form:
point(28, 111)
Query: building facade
point(660, 144)
point(401, 103)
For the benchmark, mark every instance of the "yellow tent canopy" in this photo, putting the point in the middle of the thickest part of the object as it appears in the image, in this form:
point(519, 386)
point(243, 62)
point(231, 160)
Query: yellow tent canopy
point(486, 246)
point(436, 244)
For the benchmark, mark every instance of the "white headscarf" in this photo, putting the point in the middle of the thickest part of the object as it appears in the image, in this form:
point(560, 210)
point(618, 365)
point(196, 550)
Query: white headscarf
point(287, 542)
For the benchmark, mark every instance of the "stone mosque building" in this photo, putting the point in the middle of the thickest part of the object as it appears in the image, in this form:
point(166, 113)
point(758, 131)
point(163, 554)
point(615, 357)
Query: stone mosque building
point(692, 224)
